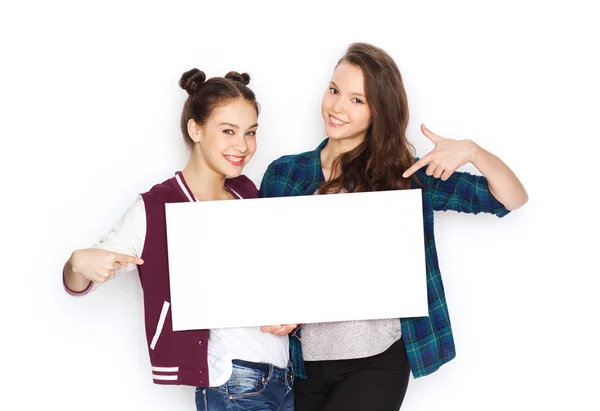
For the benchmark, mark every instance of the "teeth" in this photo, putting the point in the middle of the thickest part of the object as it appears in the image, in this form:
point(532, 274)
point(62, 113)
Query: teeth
point(336, 121)
point(234, 159)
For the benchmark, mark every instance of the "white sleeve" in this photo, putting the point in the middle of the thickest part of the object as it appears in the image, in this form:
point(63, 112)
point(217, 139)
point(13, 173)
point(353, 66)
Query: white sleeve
point(128, 234)
point(125, 237)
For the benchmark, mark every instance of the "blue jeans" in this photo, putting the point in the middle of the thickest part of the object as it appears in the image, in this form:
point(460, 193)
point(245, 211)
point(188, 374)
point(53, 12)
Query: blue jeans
point(252, 387)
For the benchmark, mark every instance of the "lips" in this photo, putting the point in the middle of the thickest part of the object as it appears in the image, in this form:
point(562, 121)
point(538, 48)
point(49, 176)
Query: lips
point(336, 122)
point(235, 160)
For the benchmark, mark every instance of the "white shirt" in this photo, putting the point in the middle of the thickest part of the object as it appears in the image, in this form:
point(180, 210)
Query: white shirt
point(249, 344)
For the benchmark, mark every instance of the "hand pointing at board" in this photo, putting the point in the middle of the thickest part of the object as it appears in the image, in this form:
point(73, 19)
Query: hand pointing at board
point(446, 157)
point(94, 264)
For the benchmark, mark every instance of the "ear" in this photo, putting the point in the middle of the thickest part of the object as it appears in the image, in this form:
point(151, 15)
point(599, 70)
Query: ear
point(195, 131)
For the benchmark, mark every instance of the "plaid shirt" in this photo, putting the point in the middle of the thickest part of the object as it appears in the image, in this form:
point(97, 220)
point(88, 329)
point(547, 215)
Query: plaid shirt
point(428, 340)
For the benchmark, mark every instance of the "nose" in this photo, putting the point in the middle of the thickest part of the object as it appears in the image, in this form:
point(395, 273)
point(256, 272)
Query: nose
point(240, 144)
point(338, 105)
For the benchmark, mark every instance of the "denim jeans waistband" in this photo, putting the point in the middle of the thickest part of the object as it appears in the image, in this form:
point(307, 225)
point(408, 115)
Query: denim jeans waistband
point(268, 371)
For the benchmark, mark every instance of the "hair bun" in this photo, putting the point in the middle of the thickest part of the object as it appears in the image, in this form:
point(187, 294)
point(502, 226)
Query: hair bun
point(243, 78)
point(190, 80)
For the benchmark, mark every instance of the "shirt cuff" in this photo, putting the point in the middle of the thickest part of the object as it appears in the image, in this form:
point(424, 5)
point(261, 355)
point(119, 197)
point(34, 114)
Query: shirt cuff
point(76, 293)
point(498, 208)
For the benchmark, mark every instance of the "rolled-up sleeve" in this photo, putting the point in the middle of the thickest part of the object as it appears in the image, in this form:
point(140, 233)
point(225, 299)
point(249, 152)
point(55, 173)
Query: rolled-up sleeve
point(462, 192)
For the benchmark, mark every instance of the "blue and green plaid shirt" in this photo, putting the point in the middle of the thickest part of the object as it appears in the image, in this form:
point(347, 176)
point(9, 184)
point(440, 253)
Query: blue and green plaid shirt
point(428, 340)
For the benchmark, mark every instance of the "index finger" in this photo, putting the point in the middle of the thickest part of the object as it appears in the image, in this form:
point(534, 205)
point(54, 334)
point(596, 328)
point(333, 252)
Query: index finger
point(125, 259)
point(419, 164)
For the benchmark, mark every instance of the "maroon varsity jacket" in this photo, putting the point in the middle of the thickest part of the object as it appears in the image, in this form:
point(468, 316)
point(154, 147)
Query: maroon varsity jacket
point(176, 357)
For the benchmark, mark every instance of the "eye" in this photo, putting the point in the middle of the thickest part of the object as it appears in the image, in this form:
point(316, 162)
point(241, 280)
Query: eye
point(357, 100)
point(228, 132)
point(251, 133)
point(333, 90)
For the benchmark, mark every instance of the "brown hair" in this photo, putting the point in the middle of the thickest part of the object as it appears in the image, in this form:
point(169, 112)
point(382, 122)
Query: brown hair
point(378, 162)
point(206, 95)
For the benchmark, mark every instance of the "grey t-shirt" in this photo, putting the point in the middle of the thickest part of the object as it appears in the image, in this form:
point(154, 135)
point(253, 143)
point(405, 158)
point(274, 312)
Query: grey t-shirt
point(346, 340)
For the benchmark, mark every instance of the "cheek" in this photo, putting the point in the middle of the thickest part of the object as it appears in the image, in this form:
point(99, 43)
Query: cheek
point(361, 117)
point(251, 143)
point(222, 142)
point(216, 146)
point(209, 144)
point(326, 102)
point(367, 119)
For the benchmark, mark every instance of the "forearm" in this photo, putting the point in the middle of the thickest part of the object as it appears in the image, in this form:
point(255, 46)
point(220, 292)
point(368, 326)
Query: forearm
point(74, 281)
point(503, 183)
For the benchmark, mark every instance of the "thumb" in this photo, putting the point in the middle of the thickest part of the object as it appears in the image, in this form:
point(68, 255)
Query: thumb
point(430, 134)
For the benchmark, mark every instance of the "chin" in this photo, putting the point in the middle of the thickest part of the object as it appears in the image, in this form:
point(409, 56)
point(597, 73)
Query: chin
point(335, 136)
point(234, 172)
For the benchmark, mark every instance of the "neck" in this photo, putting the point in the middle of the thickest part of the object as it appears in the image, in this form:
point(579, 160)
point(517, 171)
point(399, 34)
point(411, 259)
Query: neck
point(205, 183)
point(335, 148)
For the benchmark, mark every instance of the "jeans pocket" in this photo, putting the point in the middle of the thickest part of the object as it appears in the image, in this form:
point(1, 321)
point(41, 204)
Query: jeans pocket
point(246, 385)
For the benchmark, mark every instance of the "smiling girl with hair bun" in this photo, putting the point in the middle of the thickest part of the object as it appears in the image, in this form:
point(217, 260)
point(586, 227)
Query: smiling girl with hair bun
point(232, 368)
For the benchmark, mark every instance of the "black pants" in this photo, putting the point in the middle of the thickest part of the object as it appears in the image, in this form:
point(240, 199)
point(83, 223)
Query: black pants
point(375, 383)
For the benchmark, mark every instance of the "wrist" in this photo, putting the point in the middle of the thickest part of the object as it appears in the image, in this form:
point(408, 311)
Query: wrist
point(72, 266)
point(475, 152)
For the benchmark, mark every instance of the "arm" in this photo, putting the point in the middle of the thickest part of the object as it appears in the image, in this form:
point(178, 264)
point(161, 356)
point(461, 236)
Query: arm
point(118, 250)
point(498, 184)
point(93, 265)
point(502, 181)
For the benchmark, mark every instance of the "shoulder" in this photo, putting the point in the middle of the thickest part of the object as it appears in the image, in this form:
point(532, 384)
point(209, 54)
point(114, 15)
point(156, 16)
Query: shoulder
point(243, 186)
point(291, 161)
point(163, 191)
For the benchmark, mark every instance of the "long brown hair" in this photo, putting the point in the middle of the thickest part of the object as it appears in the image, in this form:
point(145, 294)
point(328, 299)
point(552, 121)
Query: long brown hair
point(378, 162)
point(206, 95)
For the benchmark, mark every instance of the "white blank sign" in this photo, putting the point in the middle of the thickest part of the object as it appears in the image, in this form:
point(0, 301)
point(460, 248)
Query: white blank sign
point(289, 260)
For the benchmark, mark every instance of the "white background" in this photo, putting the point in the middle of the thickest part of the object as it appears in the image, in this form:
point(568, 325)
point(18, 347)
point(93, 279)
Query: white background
point(89, 118)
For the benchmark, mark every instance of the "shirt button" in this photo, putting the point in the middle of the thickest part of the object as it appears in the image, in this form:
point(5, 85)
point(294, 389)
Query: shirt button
point(200, 342)
point(201, 371)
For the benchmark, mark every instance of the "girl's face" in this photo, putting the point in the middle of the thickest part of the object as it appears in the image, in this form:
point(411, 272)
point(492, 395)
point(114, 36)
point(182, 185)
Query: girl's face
point(344, 107)
point(228, 139)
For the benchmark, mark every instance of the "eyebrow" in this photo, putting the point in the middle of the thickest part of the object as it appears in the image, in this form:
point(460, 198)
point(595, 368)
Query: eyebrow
point(236, 126)
point(355, 94)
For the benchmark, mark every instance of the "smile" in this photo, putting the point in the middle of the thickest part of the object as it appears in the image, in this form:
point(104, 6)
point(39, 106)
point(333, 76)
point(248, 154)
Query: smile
point(235, 160)
point(336, 122)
